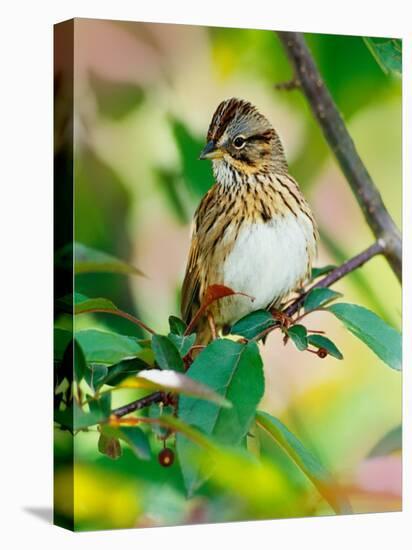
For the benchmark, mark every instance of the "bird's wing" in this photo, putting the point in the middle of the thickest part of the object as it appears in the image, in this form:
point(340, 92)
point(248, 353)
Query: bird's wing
point(192, 282)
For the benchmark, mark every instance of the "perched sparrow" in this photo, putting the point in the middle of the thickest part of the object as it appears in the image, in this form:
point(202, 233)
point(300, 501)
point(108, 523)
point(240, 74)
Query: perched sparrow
point(253, 230)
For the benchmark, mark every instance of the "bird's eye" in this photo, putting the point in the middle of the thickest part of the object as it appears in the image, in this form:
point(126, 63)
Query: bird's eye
point(239, 142)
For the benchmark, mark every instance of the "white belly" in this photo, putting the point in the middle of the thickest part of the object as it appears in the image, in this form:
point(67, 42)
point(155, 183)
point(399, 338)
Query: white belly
point(267, 262)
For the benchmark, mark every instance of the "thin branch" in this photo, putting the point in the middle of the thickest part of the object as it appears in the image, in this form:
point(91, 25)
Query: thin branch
point(119, 313)
point(336, 134)
point(141, 403)
point(338, 273)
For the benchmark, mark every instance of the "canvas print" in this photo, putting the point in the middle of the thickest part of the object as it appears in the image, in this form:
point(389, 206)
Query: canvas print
point(227, 274)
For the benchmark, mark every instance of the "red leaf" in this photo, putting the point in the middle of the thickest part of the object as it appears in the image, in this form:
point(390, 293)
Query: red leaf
point(212, 294)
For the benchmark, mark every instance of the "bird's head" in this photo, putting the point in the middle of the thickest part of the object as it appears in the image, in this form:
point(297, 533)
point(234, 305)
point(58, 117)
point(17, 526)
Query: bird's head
point(244, 139)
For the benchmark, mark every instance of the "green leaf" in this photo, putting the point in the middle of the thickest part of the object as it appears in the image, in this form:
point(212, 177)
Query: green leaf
point(318, 271)
point(64, 305)
point(79, 303)
point(171, 185)
point(107, 348)
point(136, 439)
point(381, 338)
point(253, 324)
point(387, 53)
point(117, 373)
point(197, 174)
point(319, 297)
point(182, 343)
point(299, 336)
point(236, 372)
point(115, 99)
point(320, 341)
point(94, 375)
point(390, 443)
point(156, 411)
point(80, 365)
point(75, 418)
point(89, 260)
point(66, 369)
point(102, 404)
point(177, 326)
point(166, 354)
point(64, 418)
point(62, 338)
point(192, 434)
point(83, 303)
point(304, 460)
point(177, 382)
point(109, 446)
point(133, 436)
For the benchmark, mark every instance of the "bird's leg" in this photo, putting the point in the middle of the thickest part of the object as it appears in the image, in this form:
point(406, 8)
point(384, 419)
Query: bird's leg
point(212, 325)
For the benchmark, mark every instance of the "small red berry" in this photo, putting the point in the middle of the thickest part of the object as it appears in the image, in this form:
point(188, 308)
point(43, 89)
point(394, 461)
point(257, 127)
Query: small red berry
point(166, 457)
point(322, 353)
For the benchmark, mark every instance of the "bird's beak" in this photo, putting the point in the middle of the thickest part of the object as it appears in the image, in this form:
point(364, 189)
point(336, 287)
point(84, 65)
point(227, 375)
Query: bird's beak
point(210, 151)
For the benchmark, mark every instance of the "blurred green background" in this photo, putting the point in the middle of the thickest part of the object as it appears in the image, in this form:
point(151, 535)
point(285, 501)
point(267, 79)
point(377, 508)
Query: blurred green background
point(144, 96)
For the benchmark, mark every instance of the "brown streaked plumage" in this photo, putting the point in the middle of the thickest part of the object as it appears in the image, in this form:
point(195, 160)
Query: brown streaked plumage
point(253, 230)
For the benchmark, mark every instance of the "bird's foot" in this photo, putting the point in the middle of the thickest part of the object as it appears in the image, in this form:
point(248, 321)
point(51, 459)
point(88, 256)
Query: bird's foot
point(284, 320)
